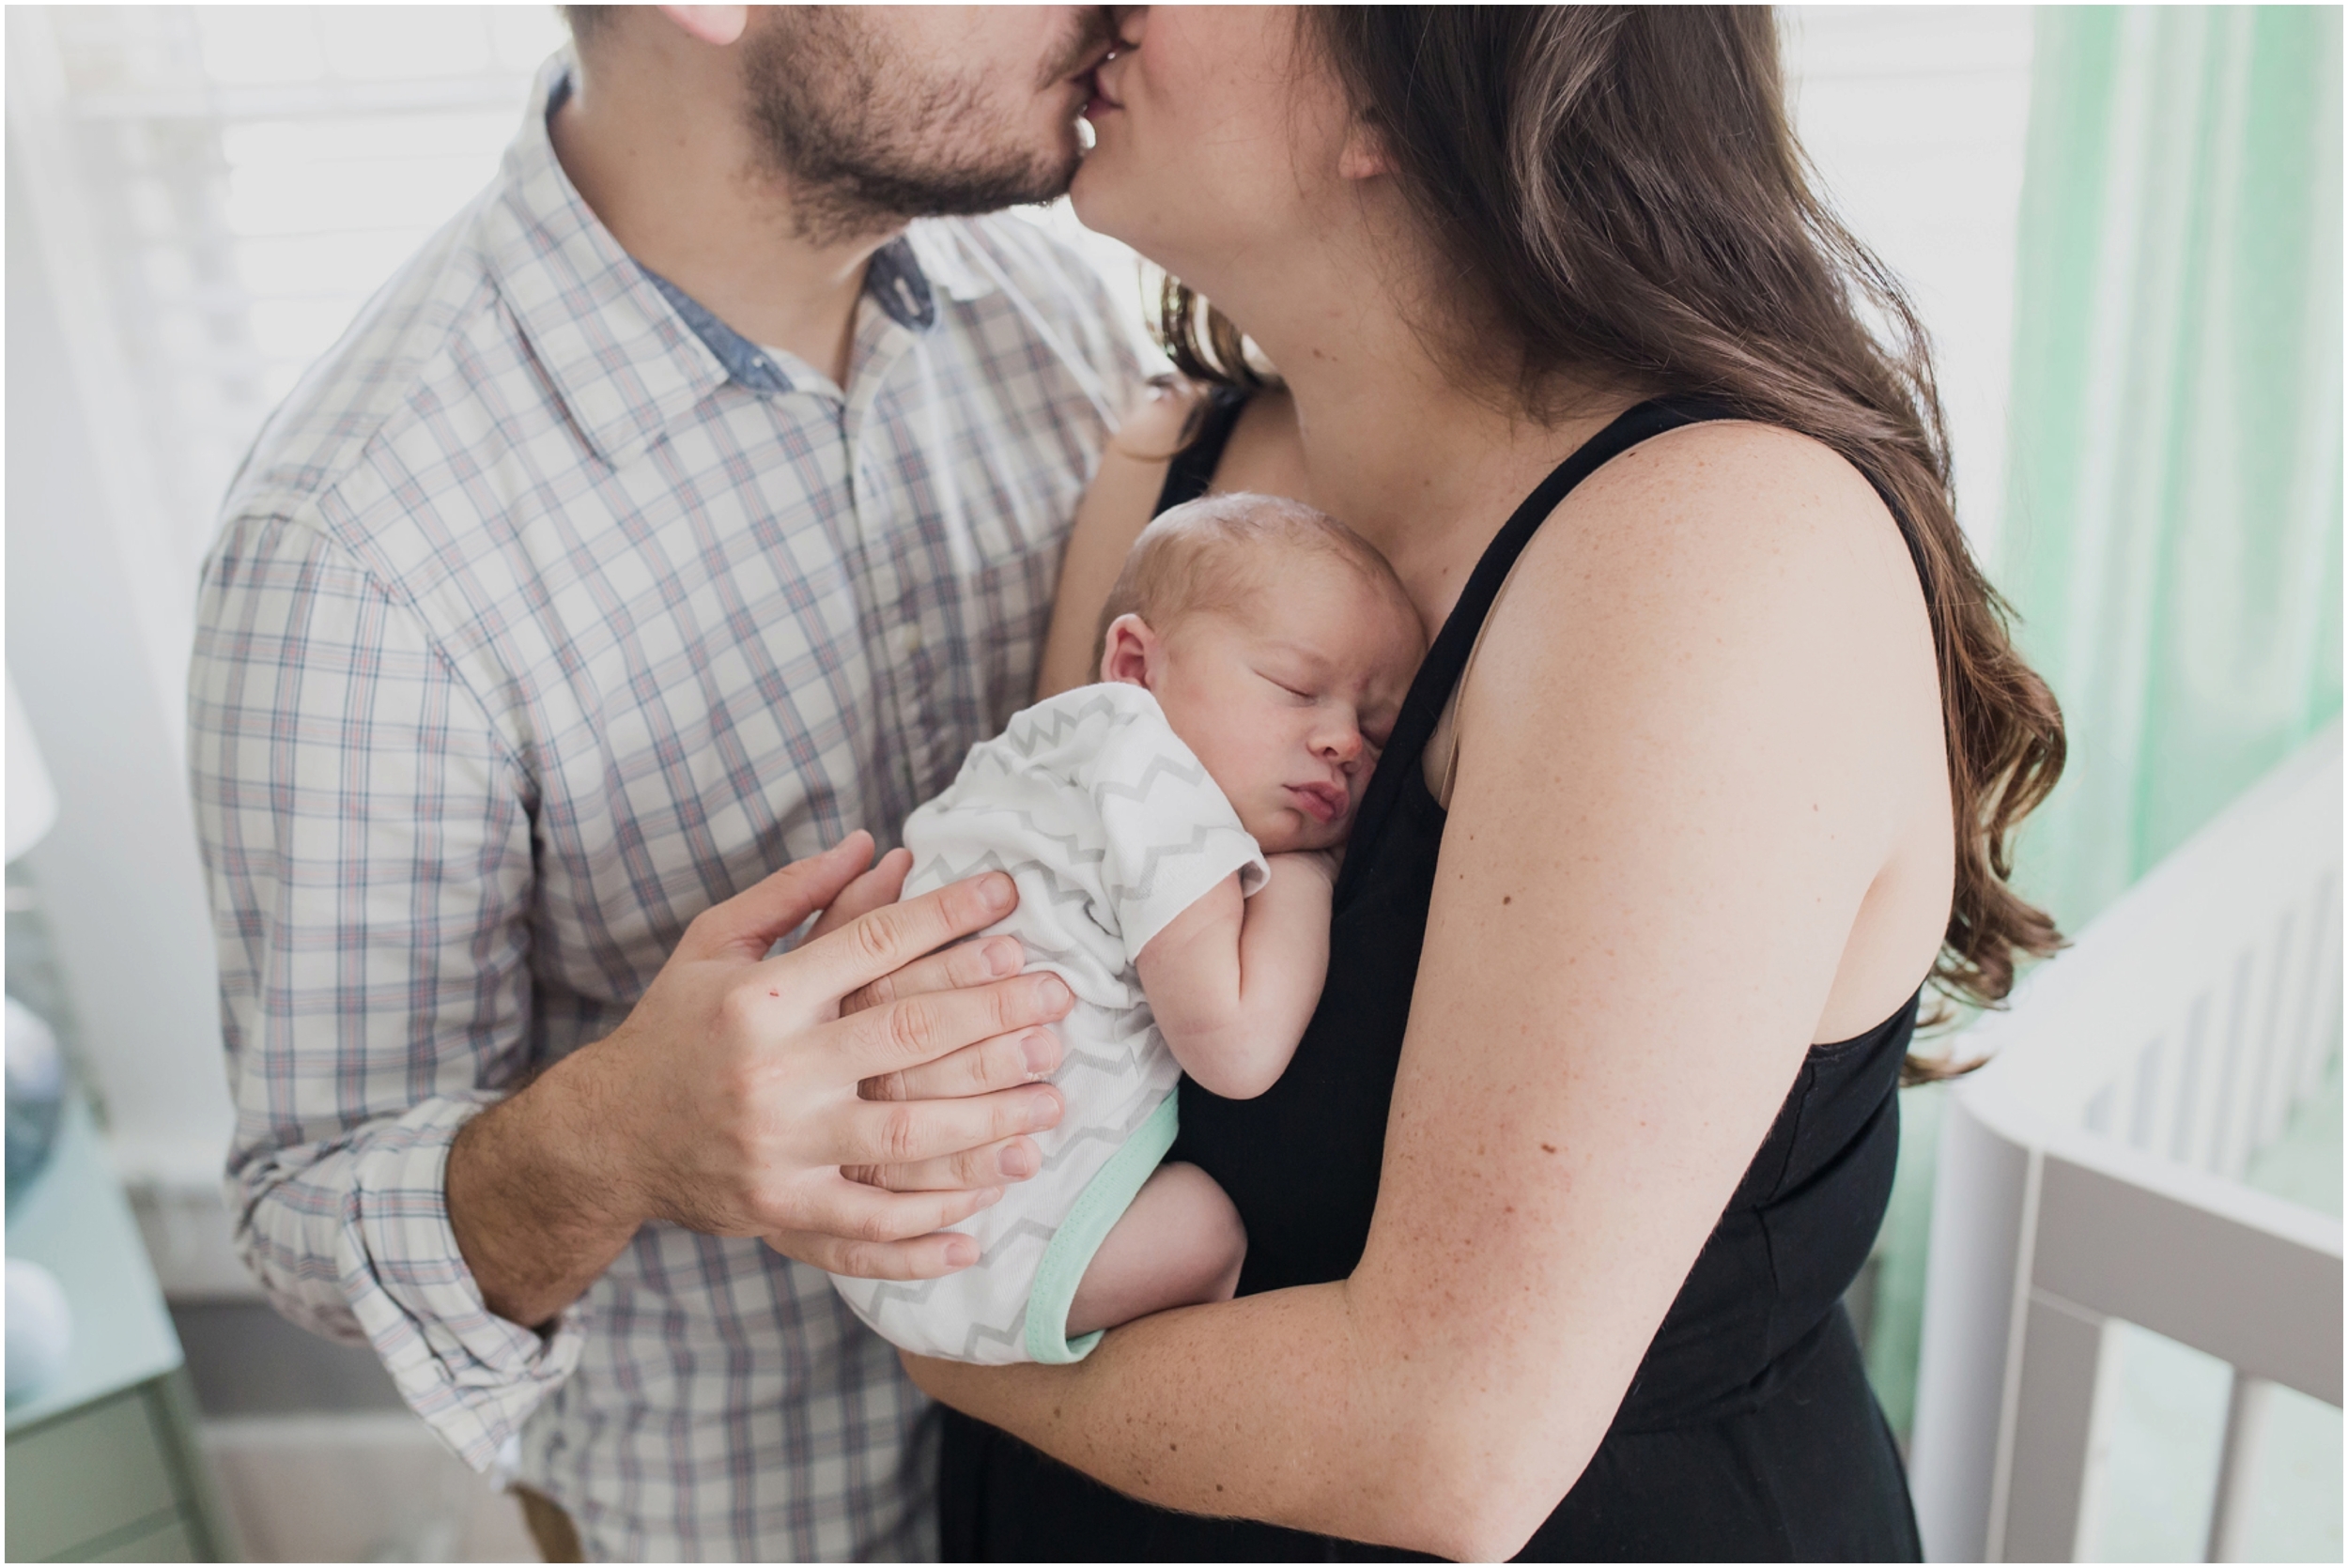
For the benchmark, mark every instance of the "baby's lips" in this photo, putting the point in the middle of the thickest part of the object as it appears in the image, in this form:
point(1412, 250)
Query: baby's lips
point(1323, 803)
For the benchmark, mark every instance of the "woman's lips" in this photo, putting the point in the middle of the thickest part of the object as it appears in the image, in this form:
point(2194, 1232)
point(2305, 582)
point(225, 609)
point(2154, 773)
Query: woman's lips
point(1323, 803)
point(1104, 96)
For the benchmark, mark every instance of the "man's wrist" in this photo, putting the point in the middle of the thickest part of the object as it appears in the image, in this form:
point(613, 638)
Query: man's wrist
point(584, 1116)
point(537, 1204)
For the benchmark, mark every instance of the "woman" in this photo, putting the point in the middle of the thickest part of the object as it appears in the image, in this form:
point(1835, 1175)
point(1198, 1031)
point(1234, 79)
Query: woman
point(1711, 765)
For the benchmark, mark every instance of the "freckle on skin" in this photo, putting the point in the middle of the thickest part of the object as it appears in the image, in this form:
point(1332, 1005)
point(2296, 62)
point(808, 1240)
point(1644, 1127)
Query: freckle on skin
point(1506, 898)
point(1548, 1149)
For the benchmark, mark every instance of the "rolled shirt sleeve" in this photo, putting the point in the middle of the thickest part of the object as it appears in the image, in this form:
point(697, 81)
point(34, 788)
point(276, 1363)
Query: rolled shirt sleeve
point(367, 837)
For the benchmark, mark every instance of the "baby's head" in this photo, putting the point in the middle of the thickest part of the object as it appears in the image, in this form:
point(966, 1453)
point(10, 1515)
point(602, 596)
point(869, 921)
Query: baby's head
point(1279, 643)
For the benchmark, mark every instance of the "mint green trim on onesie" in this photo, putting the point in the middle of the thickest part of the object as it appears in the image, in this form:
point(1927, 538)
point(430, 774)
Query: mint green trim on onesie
point(1098, 1208)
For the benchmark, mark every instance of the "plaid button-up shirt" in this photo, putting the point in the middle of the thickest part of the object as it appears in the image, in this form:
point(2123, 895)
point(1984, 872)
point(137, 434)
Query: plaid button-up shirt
point(547, 613)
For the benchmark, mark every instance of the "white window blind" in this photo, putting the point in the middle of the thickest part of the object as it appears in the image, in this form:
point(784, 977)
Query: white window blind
point(247, 175)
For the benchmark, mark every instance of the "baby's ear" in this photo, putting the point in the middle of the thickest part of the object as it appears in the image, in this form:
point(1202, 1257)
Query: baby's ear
point(1127, 649)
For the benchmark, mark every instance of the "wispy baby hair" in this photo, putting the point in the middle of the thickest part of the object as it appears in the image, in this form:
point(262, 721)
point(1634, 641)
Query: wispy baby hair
point(1185, 561)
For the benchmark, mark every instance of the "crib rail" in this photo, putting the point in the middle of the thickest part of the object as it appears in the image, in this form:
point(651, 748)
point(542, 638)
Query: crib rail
point(2091, 1173)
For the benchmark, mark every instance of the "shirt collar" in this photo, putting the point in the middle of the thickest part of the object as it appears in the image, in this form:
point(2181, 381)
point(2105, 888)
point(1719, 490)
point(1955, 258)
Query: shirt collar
point(627, 349)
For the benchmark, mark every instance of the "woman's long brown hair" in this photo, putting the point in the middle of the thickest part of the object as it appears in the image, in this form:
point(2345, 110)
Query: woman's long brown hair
point(1619, 194)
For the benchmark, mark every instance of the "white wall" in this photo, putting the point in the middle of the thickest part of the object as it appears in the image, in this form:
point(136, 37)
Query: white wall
point(94, 653)
point(1915, 117)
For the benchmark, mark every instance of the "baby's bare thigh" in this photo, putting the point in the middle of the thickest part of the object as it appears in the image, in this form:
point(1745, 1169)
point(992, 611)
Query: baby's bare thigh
point(1179, 1244)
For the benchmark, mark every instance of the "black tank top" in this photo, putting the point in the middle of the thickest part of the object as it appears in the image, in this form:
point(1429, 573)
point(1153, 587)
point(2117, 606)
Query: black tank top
point(1748, 1430)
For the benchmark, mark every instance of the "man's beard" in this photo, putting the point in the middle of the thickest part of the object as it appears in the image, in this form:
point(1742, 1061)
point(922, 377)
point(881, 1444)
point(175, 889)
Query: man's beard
point(866, 146)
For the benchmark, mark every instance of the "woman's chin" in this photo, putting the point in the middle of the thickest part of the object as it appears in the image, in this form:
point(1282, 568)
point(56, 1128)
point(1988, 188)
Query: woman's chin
point(1099, 194)
point(1090, 194)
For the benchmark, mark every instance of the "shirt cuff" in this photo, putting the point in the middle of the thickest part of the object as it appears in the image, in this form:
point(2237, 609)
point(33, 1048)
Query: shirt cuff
point(472, 1375)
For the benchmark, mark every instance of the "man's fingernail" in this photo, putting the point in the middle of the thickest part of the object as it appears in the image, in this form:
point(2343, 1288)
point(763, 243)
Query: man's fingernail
point(1003, 957)
point(1044, 1111)
point(999, 891)
point(960, 1253)
point(1018, 1160)
point(1052, 992)
point(988, 1198)
point(1040, 1051)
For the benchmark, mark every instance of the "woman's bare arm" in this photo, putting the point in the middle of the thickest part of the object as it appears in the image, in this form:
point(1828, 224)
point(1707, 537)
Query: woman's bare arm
point(1702, 726)
point(1123, 496)
point(1117, 506)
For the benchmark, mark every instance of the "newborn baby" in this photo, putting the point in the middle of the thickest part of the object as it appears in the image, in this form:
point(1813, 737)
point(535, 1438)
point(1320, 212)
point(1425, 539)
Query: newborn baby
point(1169, 830)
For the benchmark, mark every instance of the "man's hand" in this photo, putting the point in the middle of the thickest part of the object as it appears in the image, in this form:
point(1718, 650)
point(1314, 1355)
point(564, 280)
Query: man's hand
point(728, 1100)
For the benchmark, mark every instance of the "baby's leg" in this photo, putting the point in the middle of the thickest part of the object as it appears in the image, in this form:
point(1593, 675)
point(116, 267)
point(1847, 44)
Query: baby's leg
point(1180, 1244)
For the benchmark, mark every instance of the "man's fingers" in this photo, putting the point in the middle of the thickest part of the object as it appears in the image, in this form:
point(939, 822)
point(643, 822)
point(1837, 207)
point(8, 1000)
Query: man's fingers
point(1000, 1063)
point(904, 1034)
point(1012, 1160)
point(924, 1257)
point(880, 885)
point(844, 1216)
point(965, 963)
point(867, 1133)
point(883, 941)
point(765, 912)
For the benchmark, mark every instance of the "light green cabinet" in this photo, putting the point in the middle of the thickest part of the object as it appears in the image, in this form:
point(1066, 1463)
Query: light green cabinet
point(118, 1480)
point(103, 1462)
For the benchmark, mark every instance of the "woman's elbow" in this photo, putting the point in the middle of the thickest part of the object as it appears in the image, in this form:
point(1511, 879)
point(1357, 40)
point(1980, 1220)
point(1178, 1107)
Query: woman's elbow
point(1474, 1496)
point(1472, 1523)
point(1484, 1534)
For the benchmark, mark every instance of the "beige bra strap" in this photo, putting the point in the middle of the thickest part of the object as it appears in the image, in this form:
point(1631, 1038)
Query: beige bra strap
point(1447, 726)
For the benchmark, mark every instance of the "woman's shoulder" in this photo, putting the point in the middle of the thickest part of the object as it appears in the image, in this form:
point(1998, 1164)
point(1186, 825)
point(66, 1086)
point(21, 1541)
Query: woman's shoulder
point(1722, 563)
point(1728, 510)
point(1734, 469)
point(1124, 489)
point(1153, 425)
point(1259, 453)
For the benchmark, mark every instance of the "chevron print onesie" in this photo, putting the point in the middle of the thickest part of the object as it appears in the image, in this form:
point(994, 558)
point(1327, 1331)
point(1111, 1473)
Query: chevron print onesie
point(1111, 827)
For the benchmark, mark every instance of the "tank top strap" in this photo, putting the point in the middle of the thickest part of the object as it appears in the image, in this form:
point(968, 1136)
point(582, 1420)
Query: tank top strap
point(1192, 470)
point(1447, 655)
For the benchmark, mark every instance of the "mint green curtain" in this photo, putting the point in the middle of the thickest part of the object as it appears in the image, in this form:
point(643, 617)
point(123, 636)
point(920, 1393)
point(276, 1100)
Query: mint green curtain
point(2171, 532)
point(2173, 523)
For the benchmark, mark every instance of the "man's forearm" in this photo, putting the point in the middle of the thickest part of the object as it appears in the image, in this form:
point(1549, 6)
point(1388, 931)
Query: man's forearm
point(538, 1214)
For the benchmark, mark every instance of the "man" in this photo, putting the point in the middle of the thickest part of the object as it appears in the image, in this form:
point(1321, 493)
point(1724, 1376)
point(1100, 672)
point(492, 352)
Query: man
point(678, 511)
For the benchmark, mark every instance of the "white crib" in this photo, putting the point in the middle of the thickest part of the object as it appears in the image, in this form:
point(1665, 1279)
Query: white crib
point(2089, 1174)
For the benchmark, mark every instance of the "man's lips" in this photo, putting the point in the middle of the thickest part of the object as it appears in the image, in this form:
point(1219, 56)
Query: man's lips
point(1323, 803)
point(1104, 96)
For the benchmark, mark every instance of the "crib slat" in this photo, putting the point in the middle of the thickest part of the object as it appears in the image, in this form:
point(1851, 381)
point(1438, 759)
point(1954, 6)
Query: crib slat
point(2191, 1104)
point(2245, 1424)
point(2144, 1099)
point(2229, 1151)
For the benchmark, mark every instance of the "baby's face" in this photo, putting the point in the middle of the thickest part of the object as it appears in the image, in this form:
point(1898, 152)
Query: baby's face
point(1286, 698)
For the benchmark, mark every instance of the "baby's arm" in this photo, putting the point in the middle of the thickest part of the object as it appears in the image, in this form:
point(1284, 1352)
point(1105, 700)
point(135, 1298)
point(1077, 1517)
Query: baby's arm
point(1233, 981)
